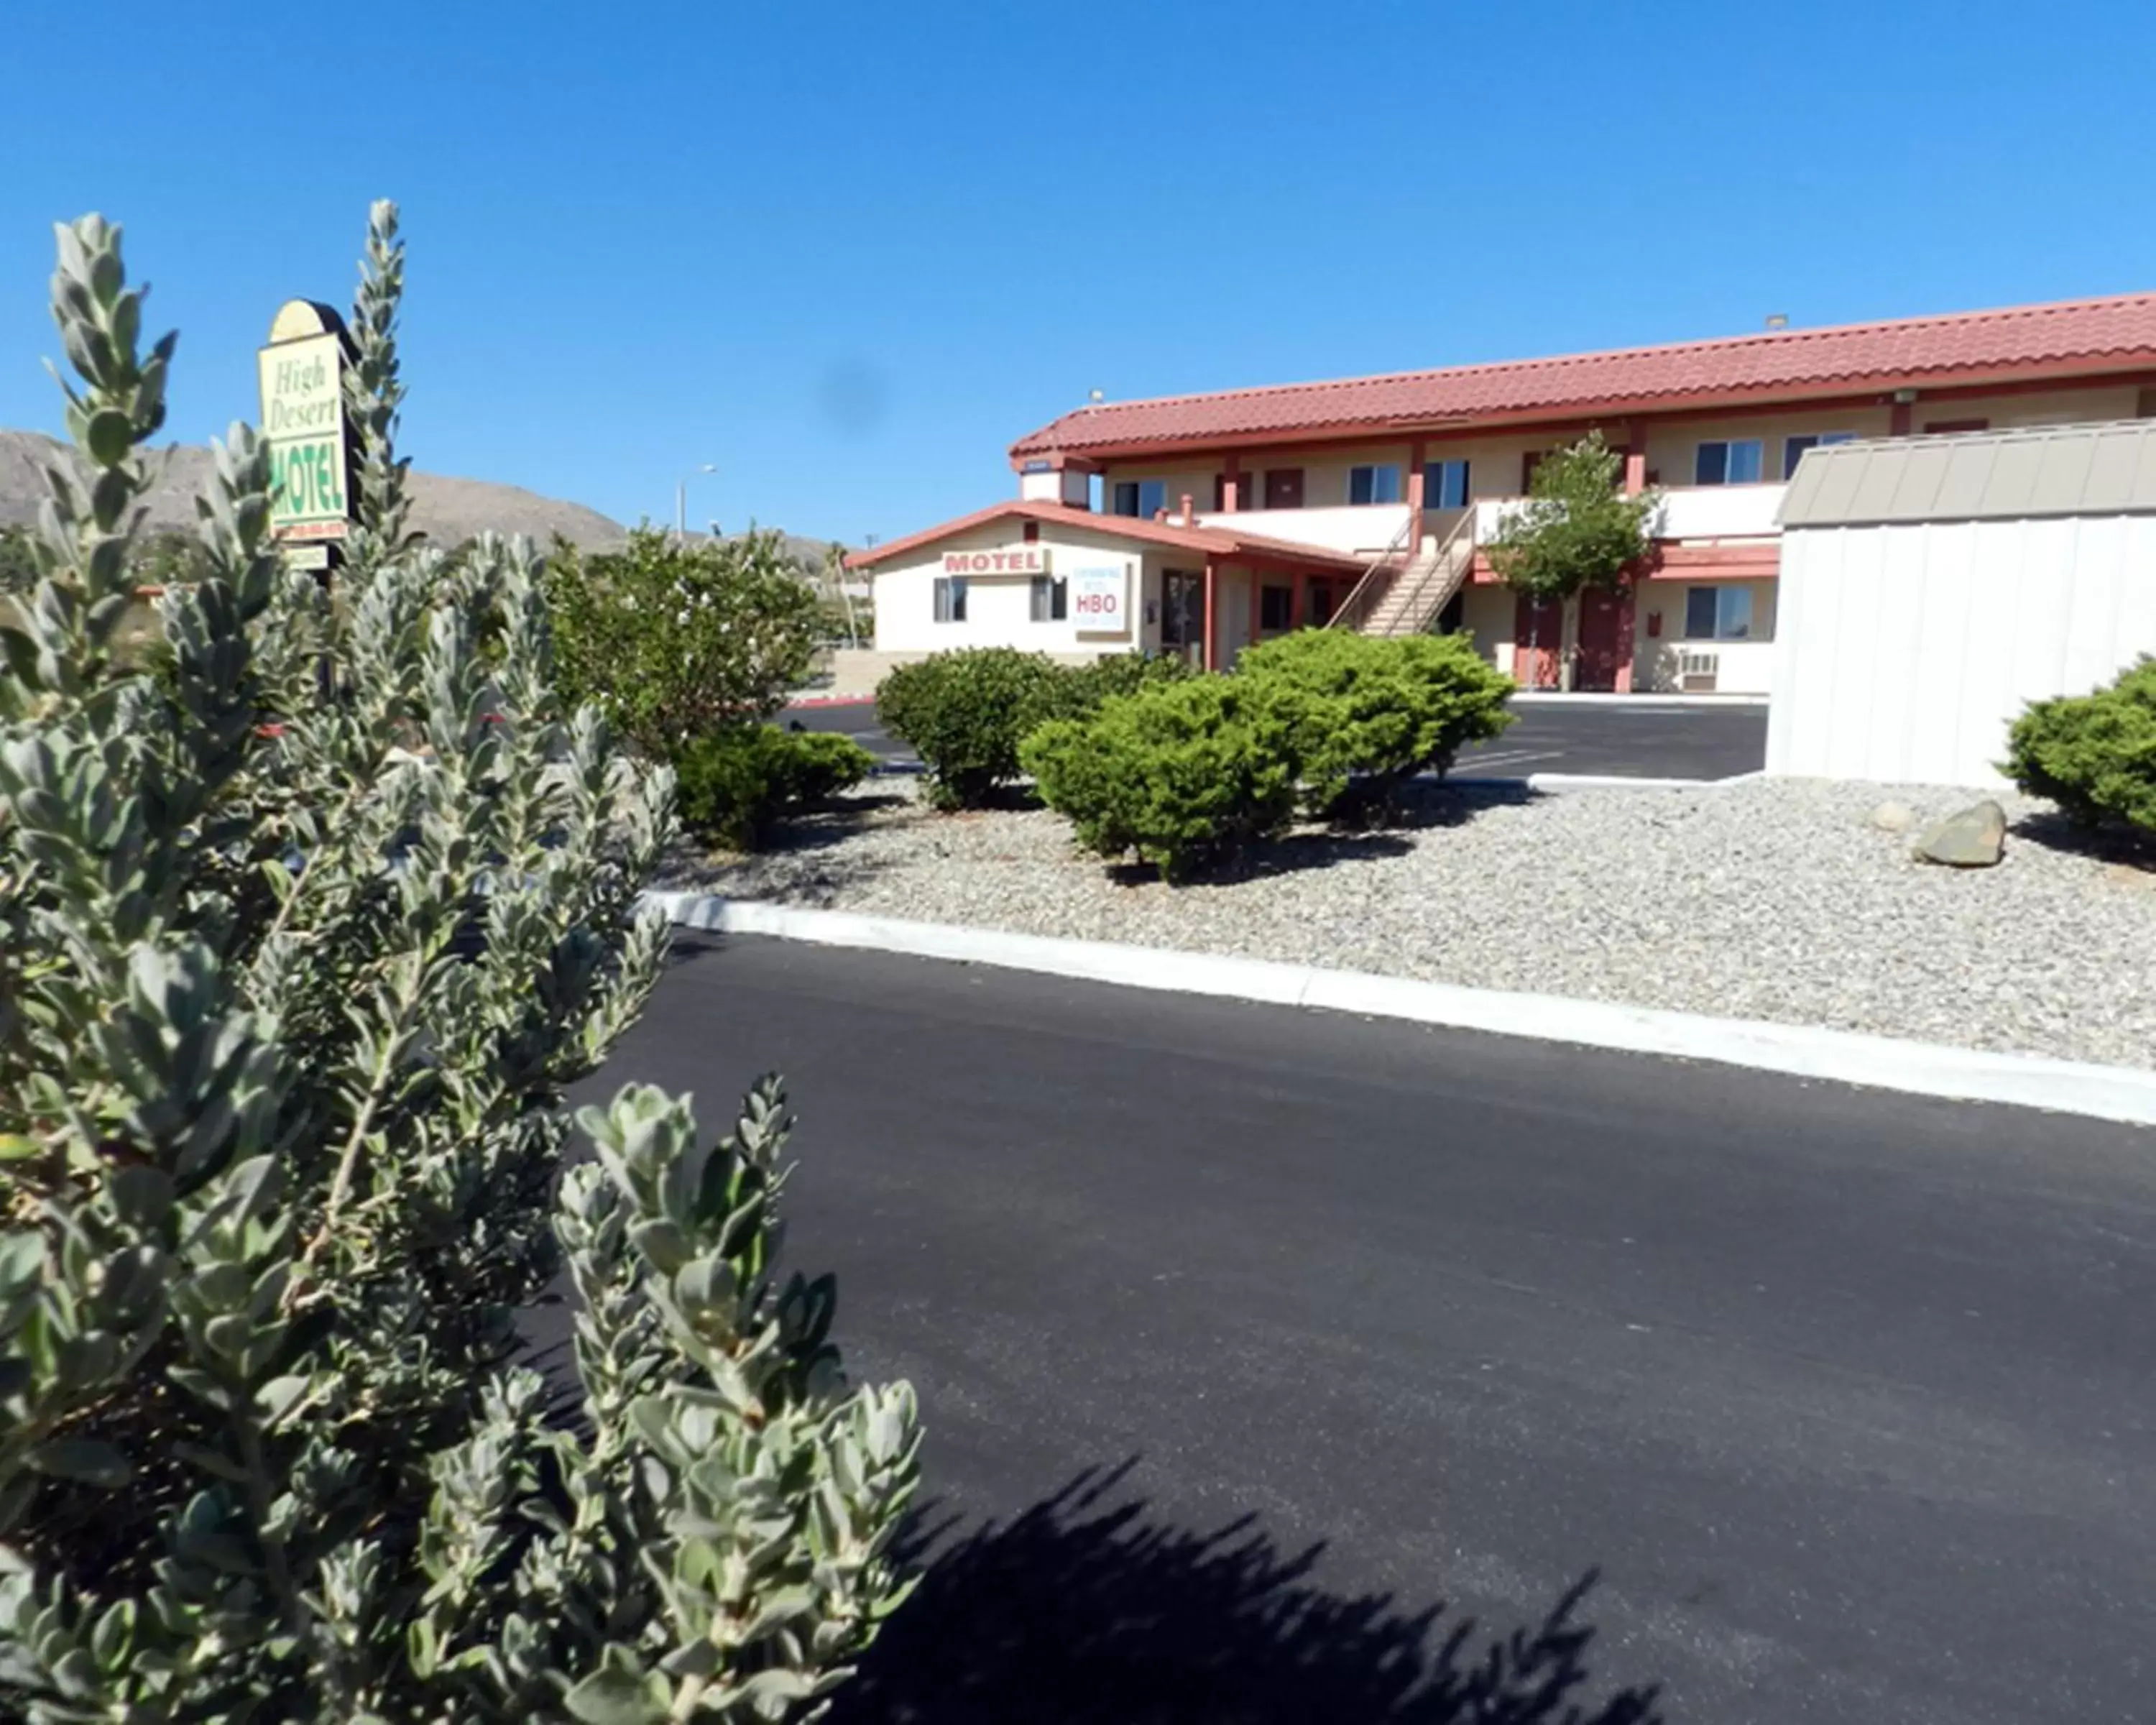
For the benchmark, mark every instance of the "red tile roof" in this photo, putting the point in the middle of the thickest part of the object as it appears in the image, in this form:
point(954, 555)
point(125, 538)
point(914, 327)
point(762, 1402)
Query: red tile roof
point(1217, 542)
point(2075, 337)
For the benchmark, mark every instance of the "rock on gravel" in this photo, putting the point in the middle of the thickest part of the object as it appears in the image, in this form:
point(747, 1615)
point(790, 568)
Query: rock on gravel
point(1767, 899)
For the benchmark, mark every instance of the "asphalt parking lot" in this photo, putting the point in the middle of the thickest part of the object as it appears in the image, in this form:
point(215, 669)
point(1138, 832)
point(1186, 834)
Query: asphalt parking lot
point(1631, 738)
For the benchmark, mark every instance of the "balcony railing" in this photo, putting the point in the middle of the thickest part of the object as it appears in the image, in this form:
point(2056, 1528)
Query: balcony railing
point(1686, 512)
point(1355, 529)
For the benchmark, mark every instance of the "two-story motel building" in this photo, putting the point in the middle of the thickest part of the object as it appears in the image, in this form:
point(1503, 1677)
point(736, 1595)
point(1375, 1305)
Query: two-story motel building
point(1198, 523)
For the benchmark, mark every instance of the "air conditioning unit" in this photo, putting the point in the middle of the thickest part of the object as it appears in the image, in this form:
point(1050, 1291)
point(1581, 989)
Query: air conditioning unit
point(1696, 672)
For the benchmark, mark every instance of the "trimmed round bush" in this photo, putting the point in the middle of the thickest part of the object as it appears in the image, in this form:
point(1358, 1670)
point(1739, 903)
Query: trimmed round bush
point(1382, 709)
point(734, 783)
point(2093, 755)
point(1186, 771)
point(965, 713)
point(1077, 690)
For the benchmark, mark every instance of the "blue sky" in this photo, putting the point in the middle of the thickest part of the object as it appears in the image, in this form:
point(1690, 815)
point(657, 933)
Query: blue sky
point(849, 252)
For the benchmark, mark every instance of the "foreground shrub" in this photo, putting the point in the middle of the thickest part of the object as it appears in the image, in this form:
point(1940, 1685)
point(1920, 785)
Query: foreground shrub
point(1077, 690)
point(302, 934)
point(1382, 709)
point(670, 641)
point(965, 713)
point(1185, 772)
point(2093, 755)
point(736, 782)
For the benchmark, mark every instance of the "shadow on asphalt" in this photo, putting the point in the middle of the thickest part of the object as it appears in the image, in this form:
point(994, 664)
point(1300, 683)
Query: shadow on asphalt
point(1085, 1610)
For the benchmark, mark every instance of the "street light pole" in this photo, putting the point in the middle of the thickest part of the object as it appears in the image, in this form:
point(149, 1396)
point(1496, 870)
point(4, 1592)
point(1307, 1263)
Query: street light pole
point(681, 499)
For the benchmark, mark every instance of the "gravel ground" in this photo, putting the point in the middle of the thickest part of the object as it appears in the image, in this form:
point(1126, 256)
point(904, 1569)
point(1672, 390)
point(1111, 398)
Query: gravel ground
point(1762, 899)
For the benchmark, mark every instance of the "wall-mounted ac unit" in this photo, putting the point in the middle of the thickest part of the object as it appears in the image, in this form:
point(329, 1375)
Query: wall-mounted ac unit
point(1696, 672)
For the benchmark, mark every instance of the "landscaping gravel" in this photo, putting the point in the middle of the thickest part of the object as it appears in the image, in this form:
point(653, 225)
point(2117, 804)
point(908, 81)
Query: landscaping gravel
point(1767, 899)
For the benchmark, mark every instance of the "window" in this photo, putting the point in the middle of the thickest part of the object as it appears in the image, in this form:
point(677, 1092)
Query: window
point(1142, 498)
point(1794, 448)
point(1733, 461)
point(1182, 610)
point(1948, 428)
point(949, 598)
point(1051, 599)
point(1717, 614)
point(1379, 484)
point(1445, 484)
point(1275, 607)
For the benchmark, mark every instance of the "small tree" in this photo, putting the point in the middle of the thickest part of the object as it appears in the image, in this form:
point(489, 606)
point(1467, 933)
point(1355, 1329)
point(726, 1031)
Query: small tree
point(1578, 529)
point(670, 641)
point(2094, 755)
point(304, 928)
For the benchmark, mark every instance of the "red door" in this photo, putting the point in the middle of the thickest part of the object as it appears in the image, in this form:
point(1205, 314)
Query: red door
point(1605, 641)
point(1283, 488)
point(1538, 637)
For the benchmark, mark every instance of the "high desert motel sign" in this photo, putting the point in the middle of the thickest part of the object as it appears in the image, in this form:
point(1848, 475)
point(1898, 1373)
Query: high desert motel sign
point(302, 378)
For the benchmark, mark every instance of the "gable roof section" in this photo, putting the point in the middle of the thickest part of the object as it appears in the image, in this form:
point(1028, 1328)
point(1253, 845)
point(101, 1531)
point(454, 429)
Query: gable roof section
point(2009, 476)
point(1216, 542)
point(2076, 337)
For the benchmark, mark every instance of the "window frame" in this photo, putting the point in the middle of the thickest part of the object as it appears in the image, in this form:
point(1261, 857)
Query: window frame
point(1738, 597)
point(1049, 600)
point(1138, 489)
point(1372, 469)
point(949, 603)
point(1811, 440)
point(1434, 475)
point(1726, 445)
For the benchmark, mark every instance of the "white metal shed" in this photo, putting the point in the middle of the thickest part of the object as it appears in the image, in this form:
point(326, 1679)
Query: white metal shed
point(1932, 587)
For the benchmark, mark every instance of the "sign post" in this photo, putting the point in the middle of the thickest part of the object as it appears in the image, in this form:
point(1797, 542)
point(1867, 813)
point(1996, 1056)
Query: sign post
point(302, 377)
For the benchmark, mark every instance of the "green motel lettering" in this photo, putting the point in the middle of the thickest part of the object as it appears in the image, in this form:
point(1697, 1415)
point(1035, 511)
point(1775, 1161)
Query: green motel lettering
point(309, 478)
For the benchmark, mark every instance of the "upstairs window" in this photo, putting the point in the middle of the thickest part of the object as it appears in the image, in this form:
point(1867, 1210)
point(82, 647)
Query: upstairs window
point(1051, 599)
point(949, 598)
point(1142, 498)
point(1717, 614)
point(1445, 484)
point(1727, 461)
point(1379, 484)
point(1794, 448)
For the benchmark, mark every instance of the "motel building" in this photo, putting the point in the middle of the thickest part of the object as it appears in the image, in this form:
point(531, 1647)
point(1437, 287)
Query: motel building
point(1199, 524)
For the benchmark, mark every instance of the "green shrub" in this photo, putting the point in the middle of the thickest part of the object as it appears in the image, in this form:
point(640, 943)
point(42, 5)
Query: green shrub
point(734, 783)
point(1077, 690)
point(670, 641)
point(1186, 771)
point(965, 713)
point(2093, 755)
point(1381, 709)
point(281, 1153)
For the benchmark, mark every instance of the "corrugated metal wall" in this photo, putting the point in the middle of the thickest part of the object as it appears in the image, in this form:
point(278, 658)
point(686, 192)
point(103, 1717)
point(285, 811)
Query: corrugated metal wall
point(1904, 652)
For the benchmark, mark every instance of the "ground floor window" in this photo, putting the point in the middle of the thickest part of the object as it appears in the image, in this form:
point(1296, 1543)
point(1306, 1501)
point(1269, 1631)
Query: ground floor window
point(1275, 608)
point(1182, 610)
point(1378, 483)
point(1445, 484)
point(1051, 599)
point(1727, 461)
point(1717, 614)
point(1141, 498)
point(949, 598)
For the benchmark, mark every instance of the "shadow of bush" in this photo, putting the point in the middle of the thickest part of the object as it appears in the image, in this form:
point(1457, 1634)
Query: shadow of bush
point(2108, 842)
point(1088, 1611)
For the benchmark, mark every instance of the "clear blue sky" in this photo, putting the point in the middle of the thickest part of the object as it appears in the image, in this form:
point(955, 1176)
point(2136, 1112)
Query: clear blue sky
point(850, 251)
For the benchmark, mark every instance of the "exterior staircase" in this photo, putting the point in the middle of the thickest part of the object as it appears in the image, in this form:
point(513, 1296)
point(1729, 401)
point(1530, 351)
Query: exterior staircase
point(1399, 596)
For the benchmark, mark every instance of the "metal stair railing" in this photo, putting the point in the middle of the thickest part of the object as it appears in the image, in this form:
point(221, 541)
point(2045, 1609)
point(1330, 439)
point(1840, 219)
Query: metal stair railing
point(1448, 569)
point(1363, 597)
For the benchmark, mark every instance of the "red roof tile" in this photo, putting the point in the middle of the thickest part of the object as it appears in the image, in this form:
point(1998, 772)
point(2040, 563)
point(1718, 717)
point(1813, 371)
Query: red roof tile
point(2072, 337)
point(1216, 541)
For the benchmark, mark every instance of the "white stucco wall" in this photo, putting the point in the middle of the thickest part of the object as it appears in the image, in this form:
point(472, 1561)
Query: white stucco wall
point(1904, 653)
point(998, 608)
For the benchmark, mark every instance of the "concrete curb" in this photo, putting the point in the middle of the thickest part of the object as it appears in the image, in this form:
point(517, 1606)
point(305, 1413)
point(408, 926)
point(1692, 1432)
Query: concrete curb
point(1924, 1068)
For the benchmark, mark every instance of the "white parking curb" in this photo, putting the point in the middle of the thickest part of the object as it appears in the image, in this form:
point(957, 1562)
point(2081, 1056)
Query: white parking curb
point(1925, 1068)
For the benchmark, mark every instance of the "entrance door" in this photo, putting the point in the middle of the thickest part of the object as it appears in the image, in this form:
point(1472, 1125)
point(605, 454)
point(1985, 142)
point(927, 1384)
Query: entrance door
point(1283, 488)
point(1182, 614)
point(1538, 640)
point(1605, 639)
point(1327, 594)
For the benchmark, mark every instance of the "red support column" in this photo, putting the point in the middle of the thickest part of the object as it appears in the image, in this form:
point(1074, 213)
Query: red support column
point(1628, 607)
point(1417, 460)
point(1635, 457)
point(1231, 492)
point(1212, 621)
